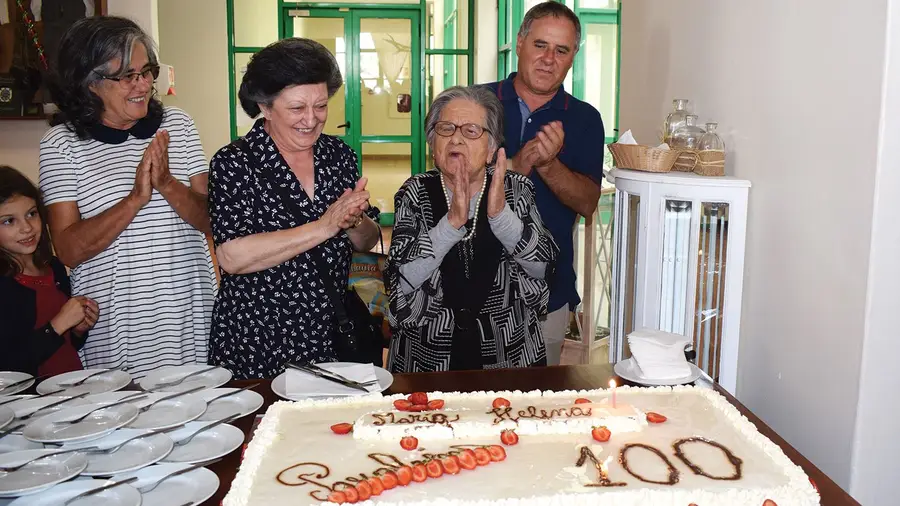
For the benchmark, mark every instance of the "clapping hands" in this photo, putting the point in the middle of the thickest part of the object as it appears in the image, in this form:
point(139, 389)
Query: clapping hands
point(347, 211)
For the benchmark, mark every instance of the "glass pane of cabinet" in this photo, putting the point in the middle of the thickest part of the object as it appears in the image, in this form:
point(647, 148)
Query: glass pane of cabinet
point(675, 265)
point(633, 227)
point(710, 296)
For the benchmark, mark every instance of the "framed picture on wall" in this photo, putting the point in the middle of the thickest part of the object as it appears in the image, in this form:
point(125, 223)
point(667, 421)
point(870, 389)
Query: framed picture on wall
point(30, 31)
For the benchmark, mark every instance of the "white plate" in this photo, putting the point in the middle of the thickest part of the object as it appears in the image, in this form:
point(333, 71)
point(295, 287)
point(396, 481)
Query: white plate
point(6, 416)
point(208, 445)
point(96, 425)
point(279, 384)
point(195, 486)
point(38, 475)
point(28, 405)
point(241, 404)
point(163, 415)
point(134, 455)
point(123, 495)
point(107, 382)
point(211, 379)
point(17, 442)
point(626, 370)
point(8, 377)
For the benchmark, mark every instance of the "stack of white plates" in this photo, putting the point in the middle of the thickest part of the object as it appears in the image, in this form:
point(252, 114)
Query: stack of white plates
point(145, 439)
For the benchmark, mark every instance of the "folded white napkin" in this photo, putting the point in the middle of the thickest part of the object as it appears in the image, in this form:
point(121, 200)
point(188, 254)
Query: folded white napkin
point(659, 355)
point(627, 138)
point(302, 384)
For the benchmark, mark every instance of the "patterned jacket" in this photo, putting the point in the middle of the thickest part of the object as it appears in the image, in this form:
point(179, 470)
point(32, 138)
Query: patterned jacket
point(423, 327)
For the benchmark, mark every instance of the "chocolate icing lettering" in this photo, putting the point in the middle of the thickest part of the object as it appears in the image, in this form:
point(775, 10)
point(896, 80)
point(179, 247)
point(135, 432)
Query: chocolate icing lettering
point(603, 478)
point(732, 458)
point(673, 472)
point(305, 472)
point(532, 412)
point(393, 419)
point(387, 460)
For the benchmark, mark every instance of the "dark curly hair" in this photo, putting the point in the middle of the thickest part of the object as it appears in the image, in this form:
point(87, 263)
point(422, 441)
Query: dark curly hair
point(86, 53)
point(288, 62)
point(13, 184)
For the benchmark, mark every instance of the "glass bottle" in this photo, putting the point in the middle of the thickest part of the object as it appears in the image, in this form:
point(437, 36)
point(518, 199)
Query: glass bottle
point(676, 118)
point(710, 141)
point(711, 153)
point(687, 136)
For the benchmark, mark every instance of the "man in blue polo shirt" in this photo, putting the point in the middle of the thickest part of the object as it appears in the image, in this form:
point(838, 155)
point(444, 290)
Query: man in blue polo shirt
point(557, 141)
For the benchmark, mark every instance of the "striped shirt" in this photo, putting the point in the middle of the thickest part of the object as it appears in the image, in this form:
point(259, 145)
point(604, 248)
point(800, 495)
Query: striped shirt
point(155, 283)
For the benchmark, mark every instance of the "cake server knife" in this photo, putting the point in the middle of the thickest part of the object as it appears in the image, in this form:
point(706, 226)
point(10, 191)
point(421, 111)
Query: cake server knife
point(327, 377)
point(329, 372)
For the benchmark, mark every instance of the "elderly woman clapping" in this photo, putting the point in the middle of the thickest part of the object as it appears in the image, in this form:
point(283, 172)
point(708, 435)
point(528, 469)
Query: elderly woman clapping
point(469, 254)
point(287, 207)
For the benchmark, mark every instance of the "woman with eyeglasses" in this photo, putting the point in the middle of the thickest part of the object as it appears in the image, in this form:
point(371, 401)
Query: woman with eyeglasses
point(124, 180)
point(469, 254)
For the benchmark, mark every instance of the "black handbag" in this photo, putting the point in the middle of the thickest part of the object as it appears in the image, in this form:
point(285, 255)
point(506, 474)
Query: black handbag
point(356, 334)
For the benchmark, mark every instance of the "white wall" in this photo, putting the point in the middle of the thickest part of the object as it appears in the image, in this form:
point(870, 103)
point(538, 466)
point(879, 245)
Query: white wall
point(193, 39)
point(142, 12)
point(19, 142)
point(873, 477)
point(796, 89)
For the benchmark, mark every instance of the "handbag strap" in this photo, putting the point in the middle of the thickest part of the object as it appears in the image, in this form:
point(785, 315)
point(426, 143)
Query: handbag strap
point(337, 302)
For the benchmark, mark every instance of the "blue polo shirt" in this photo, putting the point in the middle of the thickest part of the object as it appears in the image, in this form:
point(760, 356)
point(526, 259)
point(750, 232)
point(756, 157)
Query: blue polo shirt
point(582, 152)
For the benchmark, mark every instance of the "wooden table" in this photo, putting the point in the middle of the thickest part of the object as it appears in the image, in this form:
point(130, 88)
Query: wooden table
point(574, 377)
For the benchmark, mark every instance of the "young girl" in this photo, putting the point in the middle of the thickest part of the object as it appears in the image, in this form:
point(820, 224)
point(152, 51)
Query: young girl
point(43, 325)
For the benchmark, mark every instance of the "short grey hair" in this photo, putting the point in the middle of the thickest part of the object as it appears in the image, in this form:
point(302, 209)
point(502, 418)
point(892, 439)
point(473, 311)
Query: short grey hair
point(555, 9)
point(480, 95)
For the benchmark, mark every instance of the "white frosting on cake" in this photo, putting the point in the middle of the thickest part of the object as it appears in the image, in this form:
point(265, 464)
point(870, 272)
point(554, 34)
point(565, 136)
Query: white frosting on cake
point(532, 414)
point(294, 442)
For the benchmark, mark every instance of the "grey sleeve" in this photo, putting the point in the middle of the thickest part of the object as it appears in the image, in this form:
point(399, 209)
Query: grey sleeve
point(507, 228)
point(443, 238)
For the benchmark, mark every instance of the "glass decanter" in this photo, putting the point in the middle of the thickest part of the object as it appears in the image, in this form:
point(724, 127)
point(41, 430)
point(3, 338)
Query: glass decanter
point(688, 135)
point(710, 153)
point(676, 118)
point(710, 141)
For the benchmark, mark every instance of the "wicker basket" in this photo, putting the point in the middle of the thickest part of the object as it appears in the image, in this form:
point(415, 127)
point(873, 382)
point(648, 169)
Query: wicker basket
point(645, 158)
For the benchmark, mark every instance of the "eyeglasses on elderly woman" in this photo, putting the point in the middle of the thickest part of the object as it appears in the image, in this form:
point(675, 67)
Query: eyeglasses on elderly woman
point(469, 130)
point(149, 73)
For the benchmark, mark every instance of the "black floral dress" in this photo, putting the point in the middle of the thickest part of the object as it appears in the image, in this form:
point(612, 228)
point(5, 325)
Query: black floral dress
point(264, 319)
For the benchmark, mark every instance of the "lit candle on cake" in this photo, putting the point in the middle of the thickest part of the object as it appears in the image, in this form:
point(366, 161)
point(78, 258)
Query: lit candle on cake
point(612, 386)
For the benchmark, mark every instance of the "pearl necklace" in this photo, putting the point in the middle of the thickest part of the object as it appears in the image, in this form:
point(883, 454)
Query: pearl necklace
point(470, 233)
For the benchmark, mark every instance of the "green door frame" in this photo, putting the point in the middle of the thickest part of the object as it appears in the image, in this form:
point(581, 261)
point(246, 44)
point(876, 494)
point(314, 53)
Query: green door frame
point(600, 17)
point(353, 136)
